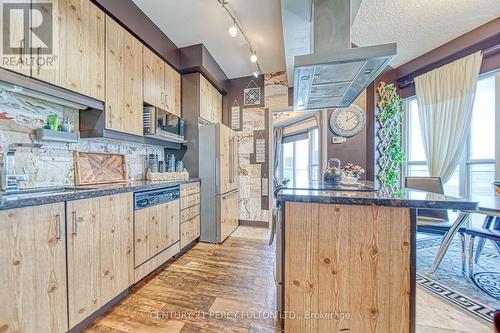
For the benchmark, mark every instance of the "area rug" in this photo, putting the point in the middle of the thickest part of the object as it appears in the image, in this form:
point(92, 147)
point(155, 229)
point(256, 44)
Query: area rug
point(455, 287)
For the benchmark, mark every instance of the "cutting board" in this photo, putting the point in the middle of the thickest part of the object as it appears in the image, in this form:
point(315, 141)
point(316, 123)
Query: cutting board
point(99, 168)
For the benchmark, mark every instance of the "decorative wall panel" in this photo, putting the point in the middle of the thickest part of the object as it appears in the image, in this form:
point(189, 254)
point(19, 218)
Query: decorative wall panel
point(52, 165)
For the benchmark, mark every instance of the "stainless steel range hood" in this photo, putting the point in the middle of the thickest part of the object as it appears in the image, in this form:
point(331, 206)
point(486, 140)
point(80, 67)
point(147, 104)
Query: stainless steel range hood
point(336, 74)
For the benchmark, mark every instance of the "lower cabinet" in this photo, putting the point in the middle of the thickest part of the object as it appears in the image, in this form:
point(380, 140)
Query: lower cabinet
point(100, 252)
point(155, 229)
point(190, 213)
point(228, 214)
point(33, 273)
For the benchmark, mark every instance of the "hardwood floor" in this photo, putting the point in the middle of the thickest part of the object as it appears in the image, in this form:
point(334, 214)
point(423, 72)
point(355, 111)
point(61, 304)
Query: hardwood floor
point(230, 288)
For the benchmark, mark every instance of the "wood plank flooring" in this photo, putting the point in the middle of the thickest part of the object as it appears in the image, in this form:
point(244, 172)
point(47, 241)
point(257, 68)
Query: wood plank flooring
point(230, 288)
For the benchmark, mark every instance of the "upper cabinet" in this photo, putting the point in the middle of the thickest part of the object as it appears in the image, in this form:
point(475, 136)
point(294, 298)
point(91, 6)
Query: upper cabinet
point(124, 81)
point(162, 84)
point(210, 102)
point(77, 58)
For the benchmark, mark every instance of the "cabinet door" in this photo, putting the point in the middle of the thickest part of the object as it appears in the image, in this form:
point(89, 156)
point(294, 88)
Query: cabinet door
point(216, 106)
point(16, 59)
point(172, 90)
point(205, 99)
point(124, 86)
point(154, 79)
point(78, 43)
point(225, 159)
point(155, 229)
point(229, 218)
point(100, 257)
point(33, 274)
point(42, 68)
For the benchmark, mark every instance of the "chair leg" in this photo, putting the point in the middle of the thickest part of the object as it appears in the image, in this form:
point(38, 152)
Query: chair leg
point(480, 245)
point(471, 257)
point(462, 251)
point(447, 239)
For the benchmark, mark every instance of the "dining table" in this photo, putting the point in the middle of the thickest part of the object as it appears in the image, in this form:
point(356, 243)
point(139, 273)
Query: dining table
point(488, 205)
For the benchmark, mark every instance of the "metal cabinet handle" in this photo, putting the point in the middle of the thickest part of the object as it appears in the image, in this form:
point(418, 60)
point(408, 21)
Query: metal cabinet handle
point(75, 226)
point(38, 60)
point(21, 51)
point(58, 226)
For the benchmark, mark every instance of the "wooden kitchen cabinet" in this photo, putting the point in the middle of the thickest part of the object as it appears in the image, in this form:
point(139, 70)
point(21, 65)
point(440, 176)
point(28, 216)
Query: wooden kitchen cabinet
point(18, 59)
point(124, 80)
point(154, 79)
point(229, 205)
point(172, 91)
point(190, 213)
point(100, 252)
point(156, 228)
point(162, 83)
point(79, 48)
point(33, 274)
point(210, 102)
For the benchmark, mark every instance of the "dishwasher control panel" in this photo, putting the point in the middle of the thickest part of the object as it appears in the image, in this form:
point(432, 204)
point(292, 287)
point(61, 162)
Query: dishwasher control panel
point(155, 197)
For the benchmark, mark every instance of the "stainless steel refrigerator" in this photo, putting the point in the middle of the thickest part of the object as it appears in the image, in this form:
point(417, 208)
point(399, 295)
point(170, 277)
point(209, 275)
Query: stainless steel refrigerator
point(218, 163)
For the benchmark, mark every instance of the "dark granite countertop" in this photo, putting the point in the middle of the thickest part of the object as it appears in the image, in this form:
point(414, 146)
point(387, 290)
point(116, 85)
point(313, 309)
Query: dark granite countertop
point(404, 198)
point(75, 193)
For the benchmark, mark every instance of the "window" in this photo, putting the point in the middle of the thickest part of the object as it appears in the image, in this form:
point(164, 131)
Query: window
point(476, 171)
point(300, 160)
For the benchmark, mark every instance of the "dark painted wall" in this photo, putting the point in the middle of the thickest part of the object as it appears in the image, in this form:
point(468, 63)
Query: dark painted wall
point(357, 148)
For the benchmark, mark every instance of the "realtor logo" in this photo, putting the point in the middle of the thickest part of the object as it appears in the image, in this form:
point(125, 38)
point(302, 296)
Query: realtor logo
point(27, 28)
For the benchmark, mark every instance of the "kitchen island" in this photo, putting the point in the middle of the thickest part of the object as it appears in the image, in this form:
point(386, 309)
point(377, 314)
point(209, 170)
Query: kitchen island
point(347, 258)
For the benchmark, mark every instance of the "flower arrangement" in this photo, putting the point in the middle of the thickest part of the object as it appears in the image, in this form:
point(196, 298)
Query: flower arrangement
point(352, 170)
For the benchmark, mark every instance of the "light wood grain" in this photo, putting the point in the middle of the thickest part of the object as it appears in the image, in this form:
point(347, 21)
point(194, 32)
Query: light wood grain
point(155, 229)
point(190, 230)
point(348, 260)
point(172, 91)
point(149, 266)
point(124, 81)
point(229, 214)
point(190, 200)
point(99, 168)
point(78, 44)
point(189, 213)
point(33, 274)
point(17, 41)
point(100, 257)
point(190, 188)
point(210, 102)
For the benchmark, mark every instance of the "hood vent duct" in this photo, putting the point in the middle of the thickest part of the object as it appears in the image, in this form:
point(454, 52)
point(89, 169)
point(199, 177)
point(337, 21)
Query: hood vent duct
point(336, 74)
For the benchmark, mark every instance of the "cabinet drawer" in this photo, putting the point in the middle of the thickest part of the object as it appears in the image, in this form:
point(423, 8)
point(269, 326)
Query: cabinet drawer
point(190, 212)
point(190, 230)
point(191, 188)
point(190, 200)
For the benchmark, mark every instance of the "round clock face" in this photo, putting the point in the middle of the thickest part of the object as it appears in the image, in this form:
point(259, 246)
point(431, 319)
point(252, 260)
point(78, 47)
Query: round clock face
point(348, 121)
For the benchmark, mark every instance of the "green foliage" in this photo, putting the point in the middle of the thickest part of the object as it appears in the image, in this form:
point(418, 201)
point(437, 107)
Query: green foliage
point(390, 114)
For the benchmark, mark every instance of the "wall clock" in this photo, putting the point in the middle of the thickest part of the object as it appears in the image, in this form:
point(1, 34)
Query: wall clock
point(348, 121)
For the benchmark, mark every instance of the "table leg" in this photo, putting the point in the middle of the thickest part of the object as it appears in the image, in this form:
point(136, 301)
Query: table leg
point(447, 239)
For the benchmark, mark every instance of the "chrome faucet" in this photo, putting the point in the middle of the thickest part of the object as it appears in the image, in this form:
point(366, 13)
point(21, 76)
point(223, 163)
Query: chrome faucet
point(11, 179)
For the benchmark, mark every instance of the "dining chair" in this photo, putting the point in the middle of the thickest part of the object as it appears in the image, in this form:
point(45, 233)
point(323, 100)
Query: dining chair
point(436, 221)
point(482, 233)
point(490, 223)
point(496, 321)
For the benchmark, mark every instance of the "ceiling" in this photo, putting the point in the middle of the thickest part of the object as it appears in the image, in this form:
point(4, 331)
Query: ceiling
point(419, 26)
point(188, 22)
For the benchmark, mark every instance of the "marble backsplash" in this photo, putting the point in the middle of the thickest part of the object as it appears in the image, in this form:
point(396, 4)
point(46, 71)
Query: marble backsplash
point(53, 164)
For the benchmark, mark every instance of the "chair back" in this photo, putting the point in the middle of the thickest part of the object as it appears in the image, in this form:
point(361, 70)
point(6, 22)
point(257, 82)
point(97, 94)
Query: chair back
point(496, 321)
point(428, 184)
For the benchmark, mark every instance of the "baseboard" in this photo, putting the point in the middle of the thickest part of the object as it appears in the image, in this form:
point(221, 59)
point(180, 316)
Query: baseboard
point(261, 224)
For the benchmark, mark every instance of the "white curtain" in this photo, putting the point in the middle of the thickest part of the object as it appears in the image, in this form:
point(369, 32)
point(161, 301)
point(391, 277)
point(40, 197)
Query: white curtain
point(445, 98)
